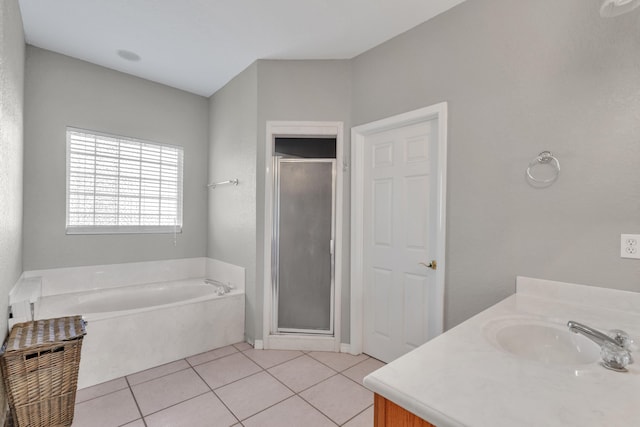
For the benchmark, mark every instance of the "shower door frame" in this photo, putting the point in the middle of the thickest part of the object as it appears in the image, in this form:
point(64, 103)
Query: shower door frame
point(276, 248)
point(271, 339)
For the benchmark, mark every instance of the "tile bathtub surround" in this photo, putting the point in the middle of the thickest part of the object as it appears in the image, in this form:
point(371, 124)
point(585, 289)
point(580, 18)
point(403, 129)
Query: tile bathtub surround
point(77, 279)
point(236, 386)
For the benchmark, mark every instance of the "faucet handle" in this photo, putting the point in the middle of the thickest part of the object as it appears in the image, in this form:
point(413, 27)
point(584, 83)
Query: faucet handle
point(623, 338)
point(614, 357)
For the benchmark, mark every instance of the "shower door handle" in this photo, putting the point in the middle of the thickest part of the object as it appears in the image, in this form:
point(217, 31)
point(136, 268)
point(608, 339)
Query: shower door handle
point(331, 247)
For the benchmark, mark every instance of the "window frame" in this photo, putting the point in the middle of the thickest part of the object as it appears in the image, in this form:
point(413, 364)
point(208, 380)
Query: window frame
point(123, 229)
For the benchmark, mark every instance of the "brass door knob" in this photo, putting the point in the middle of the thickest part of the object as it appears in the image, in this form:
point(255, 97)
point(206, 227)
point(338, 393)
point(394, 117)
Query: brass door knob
point(432, 265)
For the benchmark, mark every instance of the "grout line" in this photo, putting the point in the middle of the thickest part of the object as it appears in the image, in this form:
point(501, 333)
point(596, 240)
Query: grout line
point(278, 364)
point(224, 357)
point(320, 382)
point(313, 385)
point(349, 367)
point(102, 395)
point(358, 414)
point(135, 401)
point(353, 381)
point(174, 404)
point(264, 409)
point(244, 342)
point(133, 421)
point(277, 379)
point(268, 407)
point(317, 409)
point(359, 383)
point(216, 395)
point(228, 409)
point(193, 365)
point(236, 380)
point(326, 379)
point(159, 376)
point(301, 391)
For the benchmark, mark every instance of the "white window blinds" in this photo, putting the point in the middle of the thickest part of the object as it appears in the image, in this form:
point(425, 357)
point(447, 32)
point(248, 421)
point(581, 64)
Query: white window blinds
point(122, 185)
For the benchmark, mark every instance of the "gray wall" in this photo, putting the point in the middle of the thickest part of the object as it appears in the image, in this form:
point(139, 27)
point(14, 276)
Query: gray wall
point(233, 131)
point(521, 77)
point(12, 50)
point(302, 91)
point(62, 91)
point(267, 90)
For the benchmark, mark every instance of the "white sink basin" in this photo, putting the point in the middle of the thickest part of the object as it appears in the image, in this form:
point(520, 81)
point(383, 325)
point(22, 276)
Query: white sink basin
point(540, 341)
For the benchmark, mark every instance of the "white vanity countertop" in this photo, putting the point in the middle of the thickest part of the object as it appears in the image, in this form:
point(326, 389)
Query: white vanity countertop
point(461, 379)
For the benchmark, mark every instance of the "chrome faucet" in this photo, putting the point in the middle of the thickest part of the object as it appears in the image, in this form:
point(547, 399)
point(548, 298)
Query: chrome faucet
point(593, 334)
point(615, 350)
point(223, 288)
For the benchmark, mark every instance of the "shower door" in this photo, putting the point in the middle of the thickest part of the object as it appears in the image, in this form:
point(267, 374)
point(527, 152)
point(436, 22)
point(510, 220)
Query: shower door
point(303, 248)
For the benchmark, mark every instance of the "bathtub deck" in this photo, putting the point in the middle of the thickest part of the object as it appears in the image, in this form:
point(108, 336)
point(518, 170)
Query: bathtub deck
point(236, 386)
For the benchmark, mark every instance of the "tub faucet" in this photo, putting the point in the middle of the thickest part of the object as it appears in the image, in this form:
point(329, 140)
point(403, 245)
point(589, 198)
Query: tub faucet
point(224, 287)
point(615, 350)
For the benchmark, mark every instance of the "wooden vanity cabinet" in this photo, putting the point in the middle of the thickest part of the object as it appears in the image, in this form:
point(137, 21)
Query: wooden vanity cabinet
point(388, 414)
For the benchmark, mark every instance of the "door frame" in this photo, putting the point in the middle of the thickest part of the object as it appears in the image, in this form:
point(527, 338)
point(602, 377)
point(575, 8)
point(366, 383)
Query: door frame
point(358, 140)
point(308, 129)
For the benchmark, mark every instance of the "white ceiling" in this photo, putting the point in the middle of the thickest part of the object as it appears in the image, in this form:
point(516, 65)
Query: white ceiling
point(199, 45)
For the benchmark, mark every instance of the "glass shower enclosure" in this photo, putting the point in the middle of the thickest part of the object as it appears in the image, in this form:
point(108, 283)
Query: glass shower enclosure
point(303, 246)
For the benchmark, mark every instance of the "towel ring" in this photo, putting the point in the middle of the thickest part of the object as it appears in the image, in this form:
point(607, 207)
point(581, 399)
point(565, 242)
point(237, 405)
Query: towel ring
point(544, 158)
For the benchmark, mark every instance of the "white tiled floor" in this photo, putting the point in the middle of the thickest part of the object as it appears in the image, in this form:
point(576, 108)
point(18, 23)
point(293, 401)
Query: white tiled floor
point(236, 386)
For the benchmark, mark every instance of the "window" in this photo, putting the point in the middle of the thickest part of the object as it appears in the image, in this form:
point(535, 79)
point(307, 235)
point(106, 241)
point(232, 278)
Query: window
point(122, 185)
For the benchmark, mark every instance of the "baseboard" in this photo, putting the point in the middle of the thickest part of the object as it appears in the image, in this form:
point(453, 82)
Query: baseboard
point(345, 348)
point(302, 342)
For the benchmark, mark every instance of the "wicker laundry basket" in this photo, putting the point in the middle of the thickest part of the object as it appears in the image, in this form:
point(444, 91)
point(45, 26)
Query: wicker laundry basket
point(39, 363)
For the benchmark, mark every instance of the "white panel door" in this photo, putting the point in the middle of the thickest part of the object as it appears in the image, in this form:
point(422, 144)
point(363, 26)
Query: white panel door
point(399, 240)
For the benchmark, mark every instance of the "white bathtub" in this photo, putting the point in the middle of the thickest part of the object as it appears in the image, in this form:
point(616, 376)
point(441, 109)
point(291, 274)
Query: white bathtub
point(133, 328)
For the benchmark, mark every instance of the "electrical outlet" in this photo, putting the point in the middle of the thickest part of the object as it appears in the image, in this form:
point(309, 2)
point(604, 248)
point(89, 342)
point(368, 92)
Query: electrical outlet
point(630, 246)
